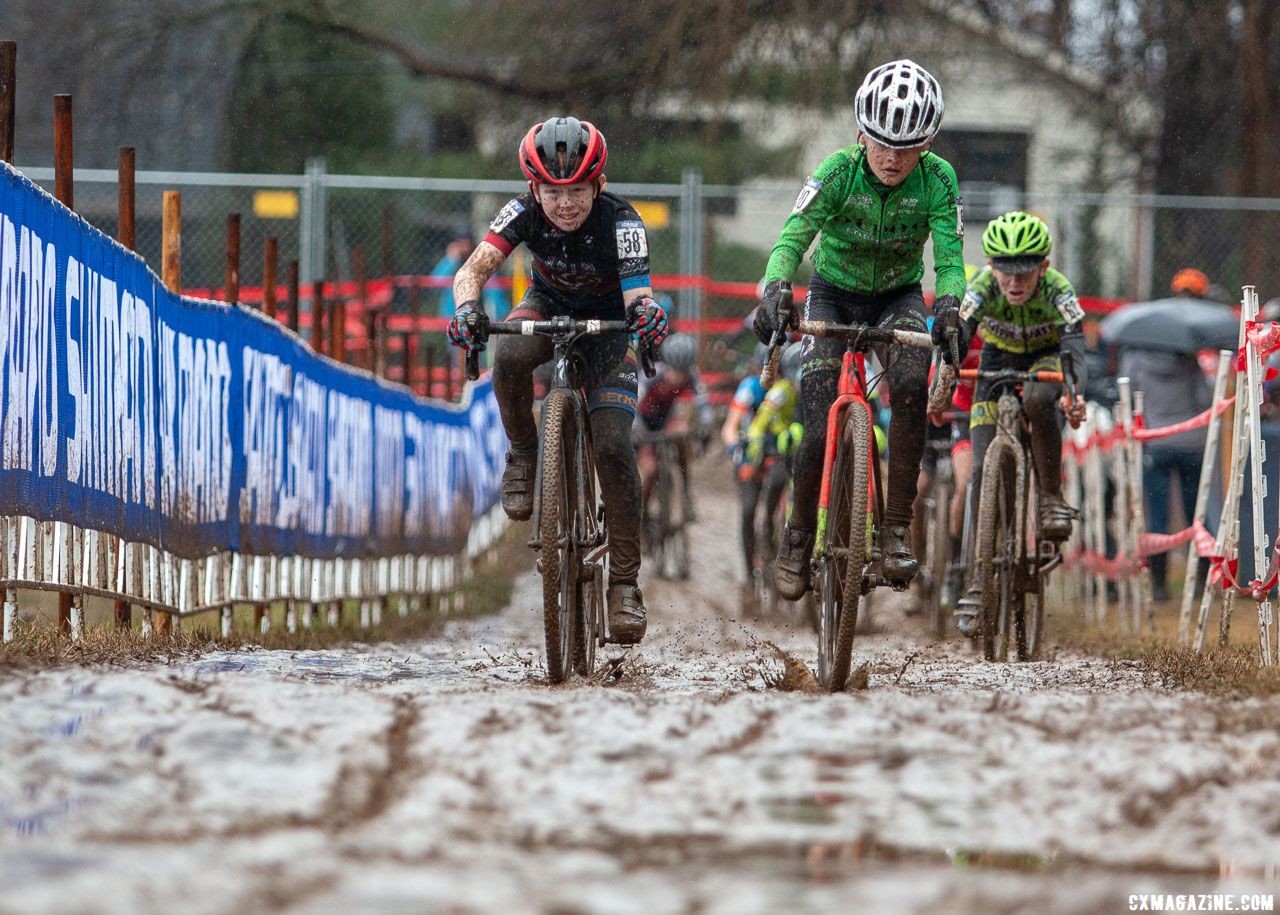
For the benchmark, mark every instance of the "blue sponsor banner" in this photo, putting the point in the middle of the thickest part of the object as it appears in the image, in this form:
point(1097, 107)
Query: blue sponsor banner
point(200, 427)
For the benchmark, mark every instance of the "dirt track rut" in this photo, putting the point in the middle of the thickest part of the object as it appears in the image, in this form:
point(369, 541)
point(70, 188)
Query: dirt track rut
point(447, 774)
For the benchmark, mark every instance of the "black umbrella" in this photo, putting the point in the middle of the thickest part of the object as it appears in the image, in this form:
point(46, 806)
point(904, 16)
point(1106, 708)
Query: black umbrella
point(1172, 326)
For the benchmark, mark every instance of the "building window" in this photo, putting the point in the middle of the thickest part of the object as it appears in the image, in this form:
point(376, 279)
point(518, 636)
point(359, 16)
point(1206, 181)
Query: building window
point(991, 166)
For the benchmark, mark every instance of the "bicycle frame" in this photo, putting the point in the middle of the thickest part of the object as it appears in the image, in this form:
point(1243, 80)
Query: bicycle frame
point(851, 394)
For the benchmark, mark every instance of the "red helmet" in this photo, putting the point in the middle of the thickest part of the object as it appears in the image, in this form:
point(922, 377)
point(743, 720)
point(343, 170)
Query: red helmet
point(563, 151)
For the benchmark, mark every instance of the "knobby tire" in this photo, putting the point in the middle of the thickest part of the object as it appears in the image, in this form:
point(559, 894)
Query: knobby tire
point(939, 546)
point(555, 534)
point(856, 443)
point(997, 533)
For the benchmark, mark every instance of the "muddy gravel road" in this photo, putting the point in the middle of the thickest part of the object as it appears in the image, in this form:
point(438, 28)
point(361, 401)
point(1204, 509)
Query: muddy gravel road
point(447, 775)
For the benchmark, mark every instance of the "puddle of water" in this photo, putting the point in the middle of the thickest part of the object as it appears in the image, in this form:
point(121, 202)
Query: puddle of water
point(324, 667)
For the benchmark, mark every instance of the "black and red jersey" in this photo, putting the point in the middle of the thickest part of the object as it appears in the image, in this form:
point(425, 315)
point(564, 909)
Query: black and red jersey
point(600, 260)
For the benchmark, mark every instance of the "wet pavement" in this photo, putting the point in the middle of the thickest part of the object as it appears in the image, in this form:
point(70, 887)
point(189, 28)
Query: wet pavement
point(447, 775)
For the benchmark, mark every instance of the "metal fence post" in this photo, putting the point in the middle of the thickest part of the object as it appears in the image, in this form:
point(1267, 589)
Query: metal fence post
point(1146, 251)
point(1071, 252)
point(311, 221)
point(690, 298)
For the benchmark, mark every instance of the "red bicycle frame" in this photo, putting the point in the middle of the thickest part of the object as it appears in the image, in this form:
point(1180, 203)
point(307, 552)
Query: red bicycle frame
point(851, 394)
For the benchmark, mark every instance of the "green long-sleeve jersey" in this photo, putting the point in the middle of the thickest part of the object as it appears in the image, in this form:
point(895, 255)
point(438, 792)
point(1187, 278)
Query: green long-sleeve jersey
point(871, 237)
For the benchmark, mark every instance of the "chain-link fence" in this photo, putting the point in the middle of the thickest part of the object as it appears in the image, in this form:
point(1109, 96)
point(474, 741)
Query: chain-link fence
point(1121, 246)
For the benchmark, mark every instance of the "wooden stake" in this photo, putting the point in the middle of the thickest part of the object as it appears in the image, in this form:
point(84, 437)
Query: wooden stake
point(171, 241)
point(317, 316)
point(292, 292)
point(232, 284)
point(63, 164)
point(126, 234)
point(338, 328)
point(171, 276)
point(64, 613)
point(127, 204)
point(8, 96)
point(408, 343)
point(270, 266)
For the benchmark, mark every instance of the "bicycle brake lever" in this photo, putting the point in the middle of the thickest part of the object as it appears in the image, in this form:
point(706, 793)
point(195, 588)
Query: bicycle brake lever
point(646, 359)
point(480, 332)
point(769, 374)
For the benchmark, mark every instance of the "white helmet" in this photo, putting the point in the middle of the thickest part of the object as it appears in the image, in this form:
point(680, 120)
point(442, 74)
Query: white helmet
point(899, 104)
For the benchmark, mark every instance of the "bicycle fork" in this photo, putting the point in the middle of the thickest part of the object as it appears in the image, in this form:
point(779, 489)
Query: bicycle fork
point(835, 419)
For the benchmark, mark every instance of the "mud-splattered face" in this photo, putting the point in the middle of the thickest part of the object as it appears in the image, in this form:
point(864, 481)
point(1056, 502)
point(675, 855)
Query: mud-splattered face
point(567, 206)
point(891, 166)
point(1019, 287)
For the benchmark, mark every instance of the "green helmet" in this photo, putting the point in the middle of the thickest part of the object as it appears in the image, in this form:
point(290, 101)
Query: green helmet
point(1016, 235)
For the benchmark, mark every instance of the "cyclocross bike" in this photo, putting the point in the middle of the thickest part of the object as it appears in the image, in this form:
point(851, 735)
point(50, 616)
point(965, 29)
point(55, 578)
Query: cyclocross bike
point(846, 560)
point(1011, 559)
point(568, 528)
point(667, 513)
point(935, 516)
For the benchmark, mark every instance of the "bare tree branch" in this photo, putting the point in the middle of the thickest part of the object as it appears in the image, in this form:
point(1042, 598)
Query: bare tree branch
point(419, 65)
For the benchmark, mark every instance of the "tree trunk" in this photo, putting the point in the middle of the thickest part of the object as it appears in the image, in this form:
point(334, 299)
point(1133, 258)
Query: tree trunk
point(1260, 141)
point(1201, 112)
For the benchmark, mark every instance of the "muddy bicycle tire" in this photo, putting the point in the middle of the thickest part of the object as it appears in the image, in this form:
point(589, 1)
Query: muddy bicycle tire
point(855, 441)
point(678, 542)
point(939, 547)
point(1029, 627)
point(829, 571)
point(997, 550)
point(555, 532)
point(586, 623)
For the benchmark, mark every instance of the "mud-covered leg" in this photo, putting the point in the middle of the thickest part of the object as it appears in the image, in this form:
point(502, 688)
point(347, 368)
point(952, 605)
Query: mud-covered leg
point(908, 378)
point(514, 360)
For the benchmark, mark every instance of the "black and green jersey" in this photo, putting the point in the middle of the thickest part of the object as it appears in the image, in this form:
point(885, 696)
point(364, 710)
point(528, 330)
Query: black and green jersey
point(871, 237)
point(1039, 324)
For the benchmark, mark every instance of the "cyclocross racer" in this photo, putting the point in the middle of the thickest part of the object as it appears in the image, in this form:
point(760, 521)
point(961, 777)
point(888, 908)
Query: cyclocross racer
point(872, 207)
point(591, 261)
point(677, 379)
point(1030, 319)
point(733, 434)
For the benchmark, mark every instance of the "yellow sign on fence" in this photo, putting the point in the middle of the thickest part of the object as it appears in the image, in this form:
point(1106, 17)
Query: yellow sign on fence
point(655, 213)
point(275, 204)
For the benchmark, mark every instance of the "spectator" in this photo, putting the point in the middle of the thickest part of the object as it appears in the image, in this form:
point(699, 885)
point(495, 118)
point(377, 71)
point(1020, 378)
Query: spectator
point(1189, 283)
point(1173, 390)
point(456, 253)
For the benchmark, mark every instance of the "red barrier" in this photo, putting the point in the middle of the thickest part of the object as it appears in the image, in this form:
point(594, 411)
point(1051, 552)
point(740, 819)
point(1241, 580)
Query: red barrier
point(1226, 574)
point(1199, 421)
point(1150, 544)
point(664, 282)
